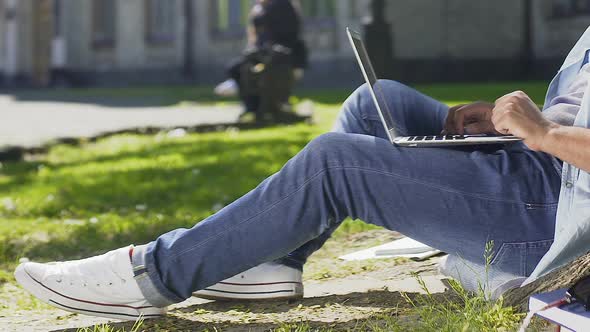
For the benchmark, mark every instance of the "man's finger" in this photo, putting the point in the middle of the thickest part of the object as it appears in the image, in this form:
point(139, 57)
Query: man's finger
point(500, 100)
point(459, 121)
point(467, 114)
point(501, 123)
point(498, 111)
point(513, 97)
point(448, 126)
point(449, 121)
point(483, 127)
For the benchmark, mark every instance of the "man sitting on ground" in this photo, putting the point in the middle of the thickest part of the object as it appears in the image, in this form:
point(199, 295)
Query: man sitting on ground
point(453, 199)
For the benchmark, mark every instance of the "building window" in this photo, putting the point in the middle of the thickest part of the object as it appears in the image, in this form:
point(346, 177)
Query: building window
point(160, 21)
point(230, 16)
point(570, 8)
point(57, 18)
point(314, 10)
point(103, 23)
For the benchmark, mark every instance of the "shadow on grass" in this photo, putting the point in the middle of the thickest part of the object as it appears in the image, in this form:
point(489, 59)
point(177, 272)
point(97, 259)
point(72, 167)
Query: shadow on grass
point(349, 312)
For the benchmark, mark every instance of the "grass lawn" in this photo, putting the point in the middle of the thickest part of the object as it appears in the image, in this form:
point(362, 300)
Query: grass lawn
point(76, 201)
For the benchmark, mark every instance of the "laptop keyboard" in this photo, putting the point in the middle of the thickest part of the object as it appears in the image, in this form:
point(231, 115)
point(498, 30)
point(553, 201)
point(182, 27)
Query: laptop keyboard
point(436, 138)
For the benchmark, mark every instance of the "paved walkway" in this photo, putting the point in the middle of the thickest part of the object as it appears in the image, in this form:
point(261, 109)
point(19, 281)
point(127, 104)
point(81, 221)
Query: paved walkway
point(324, 293)
point(30, 124)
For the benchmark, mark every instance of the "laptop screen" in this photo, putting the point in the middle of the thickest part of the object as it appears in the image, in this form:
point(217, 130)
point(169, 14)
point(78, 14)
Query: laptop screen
point(373, 81)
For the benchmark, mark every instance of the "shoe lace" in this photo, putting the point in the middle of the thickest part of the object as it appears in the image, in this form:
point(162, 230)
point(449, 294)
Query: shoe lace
point(93, 277)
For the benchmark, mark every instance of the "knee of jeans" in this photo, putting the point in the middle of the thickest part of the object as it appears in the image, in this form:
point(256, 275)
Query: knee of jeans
point(322, 146)
point(355, 101)
point(361, 100)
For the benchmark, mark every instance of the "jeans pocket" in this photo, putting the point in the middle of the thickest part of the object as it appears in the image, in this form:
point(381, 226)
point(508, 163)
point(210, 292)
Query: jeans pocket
point(520, 258)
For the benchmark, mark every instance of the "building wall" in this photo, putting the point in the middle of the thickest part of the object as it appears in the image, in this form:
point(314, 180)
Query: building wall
point(456, 39)
point(24, 53)
point(77, 24)
point(430, 29)
point(555, 36)
point(131, 54)
point(432, 40)
point(2, 36)
point(472, 40)
point(494, 29)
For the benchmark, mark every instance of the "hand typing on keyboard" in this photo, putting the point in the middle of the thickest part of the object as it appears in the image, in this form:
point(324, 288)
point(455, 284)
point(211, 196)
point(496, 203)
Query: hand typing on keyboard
point(473, 119)
point(516, 114)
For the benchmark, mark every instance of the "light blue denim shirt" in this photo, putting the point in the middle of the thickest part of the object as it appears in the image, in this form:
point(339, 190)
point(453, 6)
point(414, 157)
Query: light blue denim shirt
point(572, 228)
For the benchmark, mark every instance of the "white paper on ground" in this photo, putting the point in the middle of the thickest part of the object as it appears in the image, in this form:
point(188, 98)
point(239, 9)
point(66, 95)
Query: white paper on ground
point(406, 247)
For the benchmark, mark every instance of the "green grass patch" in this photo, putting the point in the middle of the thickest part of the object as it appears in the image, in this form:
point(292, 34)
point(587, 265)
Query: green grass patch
point(468, 312)
point(76, 201)
point(107, 328)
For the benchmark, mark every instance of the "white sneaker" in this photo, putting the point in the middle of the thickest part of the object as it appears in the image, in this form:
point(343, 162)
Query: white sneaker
point(268, 281)
point(227, 88)
point(98, 286)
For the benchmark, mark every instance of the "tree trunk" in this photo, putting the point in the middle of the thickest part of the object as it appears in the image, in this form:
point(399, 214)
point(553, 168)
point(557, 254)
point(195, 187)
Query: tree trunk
point(563, 277)
point(42, 37)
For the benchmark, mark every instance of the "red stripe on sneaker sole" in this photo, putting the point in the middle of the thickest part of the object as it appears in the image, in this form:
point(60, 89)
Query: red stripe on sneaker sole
point(85, 301)
point(106, 312)
point(249, 293)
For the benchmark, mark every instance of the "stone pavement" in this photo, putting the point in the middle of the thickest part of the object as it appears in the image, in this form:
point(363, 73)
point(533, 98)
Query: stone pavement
point(30, 124)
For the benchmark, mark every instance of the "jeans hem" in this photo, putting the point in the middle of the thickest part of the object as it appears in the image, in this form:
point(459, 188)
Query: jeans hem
point(290, 262)
point(148, 280)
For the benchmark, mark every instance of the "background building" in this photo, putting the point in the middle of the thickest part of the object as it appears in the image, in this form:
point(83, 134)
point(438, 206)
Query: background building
point(109, 42)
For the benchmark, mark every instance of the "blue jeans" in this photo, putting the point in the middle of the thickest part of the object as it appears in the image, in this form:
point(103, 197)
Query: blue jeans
point(454, 199)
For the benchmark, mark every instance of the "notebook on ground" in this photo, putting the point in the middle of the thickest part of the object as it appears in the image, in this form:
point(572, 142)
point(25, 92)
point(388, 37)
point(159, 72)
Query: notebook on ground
point(405, 247)
point(573, 317)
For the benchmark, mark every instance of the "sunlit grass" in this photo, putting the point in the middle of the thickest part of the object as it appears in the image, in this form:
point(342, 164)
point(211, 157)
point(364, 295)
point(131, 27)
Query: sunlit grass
point(107, 328)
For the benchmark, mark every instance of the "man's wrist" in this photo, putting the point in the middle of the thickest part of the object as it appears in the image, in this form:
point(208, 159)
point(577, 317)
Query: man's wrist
point(549, 139)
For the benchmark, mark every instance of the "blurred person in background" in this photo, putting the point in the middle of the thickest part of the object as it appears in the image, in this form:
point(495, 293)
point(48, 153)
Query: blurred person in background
point(274, 25)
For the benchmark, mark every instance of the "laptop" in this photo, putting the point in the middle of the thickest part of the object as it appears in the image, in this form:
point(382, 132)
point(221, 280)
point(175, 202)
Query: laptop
point(390, 128)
